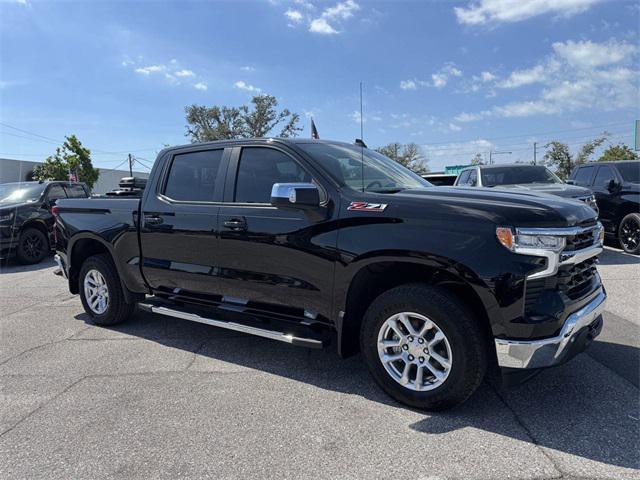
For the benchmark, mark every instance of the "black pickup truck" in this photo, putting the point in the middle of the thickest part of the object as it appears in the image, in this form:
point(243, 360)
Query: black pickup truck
point(308, 241)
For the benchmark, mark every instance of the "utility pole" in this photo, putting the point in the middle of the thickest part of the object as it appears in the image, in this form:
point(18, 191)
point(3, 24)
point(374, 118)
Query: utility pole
point(130, 165)
point(535, 152)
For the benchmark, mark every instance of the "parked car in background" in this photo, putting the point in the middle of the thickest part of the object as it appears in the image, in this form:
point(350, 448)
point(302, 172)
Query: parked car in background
point(305, 241)
point(533, 178)
point(26, 220)
point(440, 179)
point(617, 189)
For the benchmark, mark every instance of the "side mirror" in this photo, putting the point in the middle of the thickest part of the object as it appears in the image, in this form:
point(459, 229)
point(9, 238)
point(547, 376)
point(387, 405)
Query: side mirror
point(295, 195)
point(611, 185)
point(569, 182)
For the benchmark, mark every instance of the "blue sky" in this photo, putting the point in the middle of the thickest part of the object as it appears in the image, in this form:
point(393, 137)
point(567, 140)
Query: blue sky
point(455, 77)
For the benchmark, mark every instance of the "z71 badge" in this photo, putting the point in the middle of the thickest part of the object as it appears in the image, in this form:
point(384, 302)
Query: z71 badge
point(367, 207)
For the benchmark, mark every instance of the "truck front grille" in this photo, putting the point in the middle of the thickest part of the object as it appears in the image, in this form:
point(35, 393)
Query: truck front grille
point(581, 240)
point(575, 281)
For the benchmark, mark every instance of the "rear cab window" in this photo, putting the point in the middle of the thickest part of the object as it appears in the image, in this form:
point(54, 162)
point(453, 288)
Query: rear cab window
point(194, 176)
point(76, 191)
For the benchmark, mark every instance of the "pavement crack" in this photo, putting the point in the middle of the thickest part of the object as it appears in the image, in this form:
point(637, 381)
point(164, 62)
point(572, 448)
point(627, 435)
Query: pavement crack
point(529, 433)
point(195, 355)
point(42, 345)
point(40, 407)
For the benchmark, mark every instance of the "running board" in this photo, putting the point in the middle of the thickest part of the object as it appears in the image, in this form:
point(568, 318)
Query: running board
point(238, 327)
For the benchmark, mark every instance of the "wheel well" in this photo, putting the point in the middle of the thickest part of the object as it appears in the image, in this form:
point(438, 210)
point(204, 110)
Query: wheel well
point(82, 250)
point(373, 280)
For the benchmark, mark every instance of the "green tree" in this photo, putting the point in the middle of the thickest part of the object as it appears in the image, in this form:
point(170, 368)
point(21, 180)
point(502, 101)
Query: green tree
point(71, 158)
point(559, 156)
point(409, 155)
point(260, 119)
point(477, 159)
point(618, 152)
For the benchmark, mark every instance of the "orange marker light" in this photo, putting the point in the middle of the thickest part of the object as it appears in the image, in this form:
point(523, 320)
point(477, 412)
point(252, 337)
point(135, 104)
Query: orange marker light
point(505, 237)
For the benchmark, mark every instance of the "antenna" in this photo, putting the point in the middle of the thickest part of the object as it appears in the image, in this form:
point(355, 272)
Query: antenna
point(361, 140)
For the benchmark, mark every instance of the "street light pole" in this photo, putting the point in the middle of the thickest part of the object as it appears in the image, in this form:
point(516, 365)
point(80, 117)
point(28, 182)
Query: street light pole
point(492, 153)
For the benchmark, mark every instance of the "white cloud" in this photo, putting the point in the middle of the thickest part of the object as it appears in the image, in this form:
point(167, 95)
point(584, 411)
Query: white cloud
point(185, 73)
point(248, 68)
point(241, 85)
point(320, 25)
point(454, 128)
point(518, 78)
point(587, 54)
point(439, 80)
point(483, 12)
point(576, 76)
point(151, 69)
point(487, 77)
point(408, 85)
point(294, 15)
point(342, 10)
point(441, 77)
point(201, 86)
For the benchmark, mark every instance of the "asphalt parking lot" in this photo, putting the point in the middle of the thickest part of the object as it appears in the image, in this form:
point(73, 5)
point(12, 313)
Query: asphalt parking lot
point(165, 398)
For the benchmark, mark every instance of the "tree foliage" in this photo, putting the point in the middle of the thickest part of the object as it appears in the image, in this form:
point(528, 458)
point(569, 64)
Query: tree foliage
point(410, 155)
point(618, 152)
point(259, 119)
point(477, 159)
point(71, 158)
point(559, 156)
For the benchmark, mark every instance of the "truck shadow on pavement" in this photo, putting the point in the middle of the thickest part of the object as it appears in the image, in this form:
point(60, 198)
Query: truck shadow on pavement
point(576, 409)
point(12, 266)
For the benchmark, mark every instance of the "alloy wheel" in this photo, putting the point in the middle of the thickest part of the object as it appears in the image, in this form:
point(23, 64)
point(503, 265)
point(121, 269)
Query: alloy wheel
point(96, 292)
point(630, 234)
point(414, 351)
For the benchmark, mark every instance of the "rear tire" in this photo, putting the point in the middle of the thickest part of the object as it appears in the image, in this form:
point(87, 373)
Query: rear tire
point(33, 246)
point(460, 344)
point(629, 233)
point(101, 291)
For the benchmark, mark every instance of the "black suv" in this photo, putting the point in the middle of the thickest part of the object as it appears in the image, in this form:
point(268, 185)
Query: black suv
point(617, 189)
point(26, 218)
point(522, 177)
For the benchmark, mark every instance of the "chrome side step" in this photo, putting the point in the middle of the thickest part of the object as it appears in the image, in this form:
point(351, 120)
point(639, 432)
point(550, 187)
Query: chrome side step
point(238, 327)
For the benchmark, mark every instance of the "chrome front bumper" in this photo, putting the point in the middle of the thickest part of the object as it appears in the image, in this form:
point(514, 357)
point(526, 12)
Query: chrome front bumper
point(549, 351)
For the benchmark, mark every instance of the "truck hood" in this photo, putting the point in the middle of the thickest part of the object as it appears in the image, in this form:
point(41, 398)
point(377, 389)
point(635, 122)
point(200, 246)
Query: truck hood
point(14, 205)
point(559, 189)
point(500, 206)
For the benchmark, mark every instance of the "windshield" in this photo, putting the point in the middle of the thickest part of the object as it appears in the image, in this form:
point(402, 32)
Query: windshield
point(630, 171)
point(513, 175)
point(20, 192)
point(381, 174)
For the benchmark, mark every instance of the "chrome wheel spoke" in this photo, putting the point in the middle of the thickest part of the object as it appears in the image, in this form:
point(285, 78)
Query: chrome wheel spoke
point(439, 336)
point(391, 343)
point(404, 319)
point(441, 360)
point(391, 358)
point(419, 377)
point(96, 292)
point(404, 379)
point(436, 373)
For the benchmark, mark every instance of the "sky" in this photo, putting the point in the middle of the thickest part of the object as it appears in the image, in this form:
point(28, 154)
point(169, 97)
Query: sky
point(456, 77)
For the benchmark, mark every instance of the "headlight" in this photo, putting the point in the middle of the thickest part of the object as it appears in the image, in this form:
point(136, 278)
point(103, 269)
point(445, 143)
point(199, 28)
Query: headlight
point(515, 242)
point(6, 217)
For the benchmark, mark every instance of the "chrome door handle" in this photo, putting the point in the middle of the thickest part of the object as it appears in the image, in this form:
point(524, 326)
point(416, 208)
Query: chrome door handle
point(152, 220)
point(236, 224)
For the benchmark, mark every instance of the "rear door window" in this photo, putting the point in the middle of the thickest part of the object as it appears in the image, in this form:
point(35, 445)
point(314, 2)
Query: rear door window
point(583, 176)
point(193, 176)
point(55, 192)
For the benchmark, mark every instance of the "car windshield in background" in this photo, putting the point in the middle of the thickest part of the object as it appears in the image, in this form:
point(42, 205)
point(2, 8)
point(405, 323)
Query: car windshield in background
point(345, 164)
point(20, 192)
point(630, 171)
point(514, 175)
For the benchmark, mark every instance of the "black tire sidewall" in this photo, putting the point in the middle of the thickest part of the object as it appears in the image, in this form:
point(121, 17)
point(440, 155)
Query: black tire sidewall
point(636, 218)
point(21, 256)
point(103, 265)
point(468, 359)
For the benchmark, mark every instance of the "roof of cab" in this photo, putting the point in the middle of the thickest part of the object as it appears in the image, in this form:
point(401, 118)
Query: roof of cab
point(245, 141)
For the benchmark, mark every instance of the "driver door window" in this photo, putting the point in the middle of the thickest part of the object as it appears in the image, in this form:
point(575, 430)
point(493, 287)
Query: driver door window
point(604, 176)
point(473, 179)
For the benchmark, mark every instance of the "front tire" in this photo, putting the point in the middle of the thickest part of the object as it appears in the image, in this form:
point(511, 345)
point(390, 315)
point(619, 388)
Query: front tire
point(423, 348)
point(629, 233)
point(33, 246)
point(101, 292)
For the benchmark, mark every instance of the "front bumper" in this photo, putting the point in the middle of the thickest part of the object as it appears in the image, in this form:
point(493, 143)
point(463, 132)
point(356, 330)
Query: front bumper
point(579, 328)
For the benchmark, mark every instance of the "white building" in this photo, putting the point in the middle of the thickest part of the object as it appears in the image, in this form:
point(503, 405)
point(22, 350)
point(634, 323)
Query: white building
point(21, 170)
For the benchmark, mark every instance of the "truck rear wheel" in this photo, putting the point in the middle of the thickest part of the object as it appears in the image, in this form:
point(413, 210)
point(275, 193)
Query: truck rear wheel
point(101, 292)
point(423, 348)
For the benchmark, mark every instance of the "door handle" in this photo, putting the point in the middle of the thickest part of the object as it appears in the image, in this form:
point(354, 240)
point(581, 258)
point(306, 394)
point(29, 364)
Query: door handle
point(236, 224)
point(152, 220)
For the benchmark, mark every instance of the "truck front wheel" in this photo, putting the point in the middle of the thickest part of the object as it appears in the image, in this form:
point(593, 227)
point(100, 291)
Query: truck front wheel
point(422, 347)
point(101, 292)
